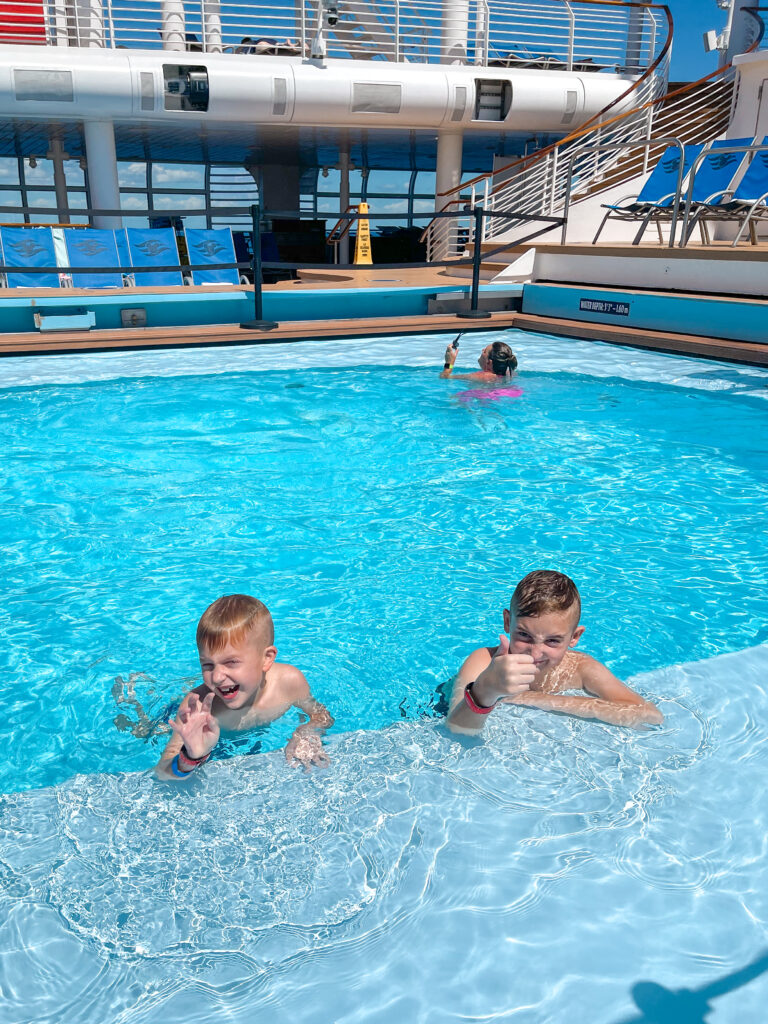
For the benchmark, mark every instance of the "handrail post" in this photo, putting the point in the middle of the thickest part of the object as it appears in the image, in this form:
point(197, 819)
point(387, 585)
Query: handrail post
point(473, 313)
point(258, 323)
point(571, 34)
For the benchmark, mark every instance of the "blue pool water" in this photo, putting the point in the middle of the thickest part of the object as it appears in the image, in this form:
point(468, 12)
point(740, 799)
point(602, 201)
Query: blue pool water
point(560, 870)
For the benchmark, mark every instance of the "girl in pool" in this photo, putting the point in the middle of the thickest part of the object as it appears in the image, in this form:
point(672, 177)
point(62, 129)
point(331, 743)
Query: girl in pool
point(496, 361)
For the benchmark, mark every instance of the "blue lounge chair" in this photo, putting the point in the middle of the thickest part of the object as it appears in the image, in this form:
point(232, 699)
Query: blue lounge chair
point(93, 247)
point(713, 179)
point(211, 246)
point(658, 193)
point(747, 203)
point(154, 247)
point(29, 247)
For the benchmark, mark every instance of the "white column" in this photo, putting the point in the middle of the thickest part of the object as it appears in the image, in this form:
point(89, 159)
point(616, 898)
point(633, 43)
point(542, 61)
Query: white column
point(57, 155)
point(212, 26)
point(635, 32)
point(454, 31)
point(344, 196)
point(449, 146)
point(102, 171)
point(740, 31)
point(89, 20)
point(172, 25)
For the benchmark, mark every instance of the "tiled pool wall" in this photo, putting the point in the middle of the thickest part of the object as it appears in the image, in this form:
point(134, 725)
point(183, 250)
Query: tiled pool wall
point(192, 308)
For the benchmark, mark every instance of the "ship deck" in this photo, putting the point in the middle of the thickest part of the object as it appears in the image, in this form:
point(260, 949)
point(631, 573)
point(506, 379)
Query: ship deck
point(666, 340)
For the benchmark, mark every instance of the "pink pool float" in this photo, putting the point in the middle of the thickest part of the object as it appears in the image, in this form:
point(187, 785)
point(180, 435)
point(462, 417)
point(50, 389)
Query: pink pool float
point(489, 394)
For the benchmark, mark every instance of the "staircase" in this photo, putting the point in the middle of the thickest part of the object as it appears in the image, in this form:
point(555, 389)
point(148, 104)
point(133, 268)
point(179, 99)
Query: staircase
point(230, 186)
point(697, 112)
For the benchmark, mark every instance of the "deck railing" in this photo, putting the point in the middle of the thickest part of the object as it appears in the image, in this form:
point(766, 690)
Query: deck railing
point(536, 184)
point(698, 111)
point(570, 34)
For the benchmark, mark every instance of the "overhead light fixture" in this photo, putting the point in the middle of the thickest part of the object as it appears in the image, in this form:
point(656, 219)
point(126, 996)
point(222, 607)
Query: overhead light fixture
point(82, 163)
point(325, 172)
point(33, 162)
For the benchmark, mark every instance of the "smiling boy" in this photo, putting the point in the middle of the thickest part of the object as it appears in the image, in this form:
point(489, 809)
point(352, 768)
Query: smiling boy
point(538, 663)
point(243, 688)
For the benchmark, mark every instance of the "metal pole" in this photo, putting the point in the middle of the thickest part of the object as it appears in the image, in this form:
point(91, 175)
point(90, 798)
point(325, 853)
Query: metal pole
point(473, 313)
point(258, 323)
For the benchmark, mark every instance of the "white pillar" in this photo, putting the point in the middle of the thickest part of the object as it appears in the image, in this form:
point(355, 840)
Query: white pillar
point(449, 146)
point(102, 171)
point(172, 25)
point(635, 32)
point(740, 31)
point(212, 26)
point(454, 32)
point(344, 196)
point(57, 155)
point(89, 22)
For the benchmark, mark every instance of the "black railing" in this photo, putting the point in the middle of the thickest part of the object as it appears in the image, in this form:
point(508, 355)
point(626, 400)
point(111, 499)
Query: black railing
point(257, 266)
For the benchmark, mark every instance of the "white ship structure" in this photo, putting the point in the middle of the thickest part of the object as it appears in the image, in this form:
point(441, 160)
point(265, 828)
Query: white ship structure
point(540, 113)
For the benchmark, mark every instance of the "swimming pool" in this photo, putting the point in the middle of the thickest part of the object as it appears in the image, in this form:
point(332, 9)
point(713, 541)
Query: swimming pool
point(384, 522)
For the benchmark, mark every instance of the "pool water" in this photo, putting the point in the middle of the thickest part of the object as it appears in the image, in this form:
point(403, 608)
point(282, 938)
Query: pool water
point(558, 870)
point(382, 517)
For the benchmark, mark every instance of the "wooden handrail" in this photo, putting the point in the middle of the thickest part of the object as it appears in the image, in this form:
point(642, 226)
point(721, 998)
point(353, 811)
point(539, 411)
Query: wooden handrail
point(330, 240)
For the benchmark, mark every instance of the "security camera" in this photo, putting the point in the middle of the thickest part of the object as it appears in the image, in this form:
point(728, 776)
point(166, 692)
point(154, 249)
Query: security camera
point(332, 14)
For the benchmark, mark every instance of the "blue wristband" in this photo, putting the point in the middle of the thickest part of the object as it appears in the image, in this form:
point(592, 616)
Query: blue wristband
point(176, 771)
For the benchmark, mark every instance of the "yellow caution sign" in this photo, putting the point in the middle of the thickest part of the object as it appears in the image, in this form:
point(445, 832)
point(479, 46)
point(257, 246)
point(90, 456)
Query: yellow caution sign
point(363, 243)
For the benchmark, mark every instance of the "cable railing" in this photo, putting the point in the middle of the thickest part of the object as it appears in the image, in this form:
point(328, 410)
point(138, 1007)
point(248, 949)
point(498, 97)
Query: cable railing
point(584, 35)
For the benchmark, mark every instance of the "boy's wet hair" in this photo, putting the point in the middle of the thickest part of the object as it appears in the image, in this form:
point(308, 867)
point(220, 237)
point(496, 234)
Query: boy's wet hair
point(230, 619)
point(543, 591)
point(502, 358)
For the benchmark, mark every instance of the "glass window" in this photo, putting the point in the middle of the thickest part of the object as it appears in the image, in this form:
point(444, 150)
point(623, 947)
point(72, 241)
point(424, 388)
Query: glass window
point(178, 176)
point(9, 170)
point(177, 202)
point(41, 173)
point(11, 198)
point(132, 175)
point(73, 172)
point(42, 199)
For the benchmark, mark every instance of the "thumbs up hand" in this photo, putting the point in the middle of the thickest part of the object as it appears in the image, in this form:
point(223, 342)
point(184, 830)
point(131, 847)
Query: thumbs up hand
point(507, 675)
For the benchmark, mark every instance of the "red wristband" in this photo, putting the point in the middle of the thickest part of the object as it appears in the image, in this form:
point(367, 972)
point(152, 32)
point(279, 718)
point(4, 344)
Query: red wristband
point(194, 762)
point(472, 704)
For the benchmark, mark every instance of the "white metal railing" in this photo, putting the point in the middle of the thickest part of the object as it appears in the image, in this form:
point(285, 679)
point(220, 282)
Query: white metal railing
point(693, 114)
point(570, 34)
point(537, 184)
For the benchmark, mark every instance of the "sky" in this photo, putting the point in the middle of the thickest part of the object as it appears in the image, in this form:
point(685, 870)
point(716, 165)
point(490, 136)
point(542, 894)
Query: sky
point(692, 19)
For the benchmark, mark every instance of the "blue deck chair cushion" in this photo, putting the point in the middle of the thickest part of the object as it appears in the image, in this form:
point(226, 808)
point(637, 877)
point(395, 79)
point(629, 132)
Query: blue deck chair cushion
point(29, 247)
point(154, 247)
point(717, 171)
point(754, 185)
point(660, 188)
point(211, 245)
point(93, 247)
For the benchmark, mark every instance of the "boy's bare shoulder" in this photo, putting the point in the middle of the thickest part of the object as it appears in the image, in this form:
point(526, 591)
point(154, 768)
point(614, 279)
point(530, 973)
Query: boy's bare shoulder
point(571, 674)
point(289, 680)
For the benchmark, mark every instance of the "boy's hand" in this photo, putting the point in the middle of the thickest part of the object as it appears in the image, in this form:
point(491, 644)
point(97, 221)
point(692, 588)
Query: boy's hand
point(450, 355)
point(306, 749)
point(507, 675)
point(196, 726)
